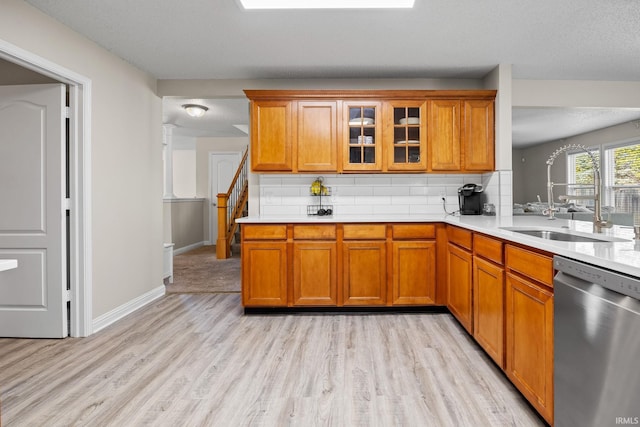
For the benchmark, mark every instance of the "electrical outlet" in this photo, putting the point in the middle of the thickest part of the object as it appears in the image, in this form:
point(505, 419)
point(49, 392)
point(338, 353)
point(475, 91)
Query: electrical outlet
point(443, 196)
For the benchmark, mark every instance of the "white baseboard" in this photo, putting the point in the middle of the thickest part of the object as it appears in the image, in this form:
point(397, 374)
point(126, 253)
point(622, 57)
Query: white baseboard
point(118, 313)
point(187, 248)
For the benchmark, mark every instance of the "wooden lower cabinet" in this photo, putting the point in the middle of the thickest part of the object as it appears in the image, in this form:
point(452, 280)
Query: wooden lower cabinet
point(459, 285)
point(364, 280)
point(315, 274)
point(414, 272)
point(488, 308)
point(264, 274)
point(529, 341)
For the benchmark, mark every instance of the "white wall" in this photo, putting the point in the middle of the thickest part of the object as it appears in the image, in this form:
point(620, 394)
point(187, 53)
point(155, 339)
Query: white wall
point(184, 166)
point(126, 144)
point(282, 195)
point(500, 79)
point(184, 173)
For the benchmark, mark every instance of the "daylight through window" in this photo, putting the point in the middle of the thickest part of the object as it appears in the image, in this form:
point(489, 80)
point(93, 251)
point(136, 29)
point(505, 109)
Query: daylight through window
point(620, 171)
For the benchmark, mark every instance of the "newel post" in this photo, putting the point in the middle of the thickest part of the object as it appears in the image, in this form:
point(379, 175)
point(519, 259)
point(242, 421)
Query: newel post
point(222, 251)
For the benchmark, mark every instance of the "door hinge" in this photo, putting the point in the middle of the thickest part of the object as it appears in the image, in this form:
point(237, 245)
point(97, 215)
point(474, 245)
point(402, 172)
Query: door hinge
point(67, 295)
point(67, 204)
point(67, 112)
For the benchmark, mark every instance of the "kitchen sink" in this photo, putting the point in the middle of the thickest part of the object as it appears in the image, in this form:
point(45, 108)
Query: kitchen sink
point(563, 236)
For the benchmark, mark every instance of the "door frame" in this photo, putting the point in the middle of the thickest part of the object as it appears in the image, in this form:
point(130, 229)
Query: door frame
point(80, 236)
point(213, 198)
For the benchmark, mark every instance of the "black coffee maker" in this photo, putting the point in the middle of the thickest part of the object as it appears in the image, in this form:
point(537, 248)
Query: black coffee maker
point(470, 199)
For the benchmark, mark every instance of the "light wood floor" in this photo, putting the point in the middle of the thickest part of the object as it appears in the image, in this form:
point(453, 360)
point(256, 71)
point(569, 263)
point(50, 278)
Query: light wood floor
point(196, 360)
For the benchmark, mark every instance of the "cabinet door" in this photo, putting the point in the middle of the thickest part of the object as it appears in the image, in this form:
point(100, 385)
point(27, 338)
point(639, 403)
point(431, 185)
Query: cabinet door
point(530, 342)
point(364, 273)
point(362, 141)
point(478, 136)
point(444, 135)
point(459, 286)
point(317, 136)
point(405, 135)
point(314, 273)
point(264, 274)
point(488, 308)
point(271, 136)
point(414, 272)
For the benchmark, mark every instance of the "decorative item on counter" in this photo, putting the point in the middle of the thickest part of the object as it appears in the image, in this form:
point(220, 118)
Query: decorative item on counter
point(319, 189)
point(489, 209)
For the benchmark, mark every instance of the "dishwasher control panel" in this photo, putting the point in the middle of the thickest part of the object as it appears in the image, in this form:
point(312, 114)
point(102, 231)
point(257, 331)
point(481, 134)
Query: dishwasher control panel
point(611, 280)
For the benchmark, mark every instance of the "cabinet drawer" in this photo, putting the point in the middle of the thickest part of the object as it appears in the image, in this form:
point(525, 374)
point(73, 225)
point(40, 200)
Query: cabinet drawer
point(364, 231)
point(314, 232)
point(264, 232)
point(488, 248)
point(413, 231)
point(530, 264)
point(460, 236)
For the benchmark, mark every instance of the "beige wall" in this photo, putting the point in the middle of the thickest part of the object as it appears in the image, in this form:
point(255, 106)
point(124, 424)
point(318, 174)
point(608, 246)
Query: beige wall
point(14, 74)
point(126, 165)
point(186, 222)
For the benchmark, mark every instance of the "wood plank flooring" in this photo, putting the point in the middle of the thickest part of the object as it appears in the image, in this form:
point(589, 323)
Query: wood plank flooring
point(197, 360)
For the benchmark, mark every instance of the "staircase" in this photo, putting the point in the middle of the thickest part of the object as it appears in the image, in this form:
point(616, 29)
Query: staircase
point(232, 205)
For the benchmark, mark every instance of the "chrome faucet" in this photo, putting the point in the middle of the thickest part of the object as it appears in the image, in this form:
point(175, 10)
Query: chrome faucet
point(598, 222)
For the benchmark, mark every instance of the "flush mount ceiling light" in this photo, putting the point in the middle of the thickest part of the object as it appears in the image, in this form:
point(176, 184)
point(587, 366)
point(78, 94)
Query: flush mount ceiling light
point(195, 110)
point(326, 4)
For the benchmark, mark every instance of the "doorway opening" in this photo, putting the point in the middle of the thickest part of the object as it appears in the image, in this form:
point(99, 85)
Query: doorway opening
point(79, 181)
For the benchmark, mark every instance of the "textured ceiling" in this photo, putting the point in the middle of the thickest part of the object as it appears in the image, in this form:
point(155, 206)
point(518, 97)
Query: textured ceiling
point(532, 126)
point(216, 39)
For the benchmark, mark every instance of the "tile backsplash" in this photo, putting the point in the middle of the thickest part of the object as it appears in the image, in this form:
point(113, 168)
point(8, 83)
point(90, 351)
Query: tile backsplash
point(371, 194)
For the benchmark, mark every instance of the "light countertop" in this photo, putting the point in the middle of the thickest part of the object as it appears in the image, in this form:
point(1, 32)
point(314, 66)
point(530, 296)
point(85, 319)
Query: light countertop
point(622, 256)
point(8, 264)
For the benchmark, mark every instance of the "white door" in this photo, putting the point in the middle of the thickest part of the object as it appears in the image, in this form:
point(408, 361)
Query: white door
point(222, 169)
point(32, 211)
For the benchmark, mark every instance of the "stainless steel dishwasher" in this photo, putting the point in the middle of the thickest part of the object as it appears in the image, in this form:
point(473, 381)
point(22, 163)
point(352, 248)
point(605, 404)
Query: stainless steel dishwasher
point(596, 346)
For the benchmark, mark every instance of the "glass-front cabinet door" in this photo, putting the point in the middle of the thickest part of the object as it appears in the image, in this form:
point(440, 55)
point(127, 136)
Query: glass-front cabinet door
point(363, 136)
point(405, 135)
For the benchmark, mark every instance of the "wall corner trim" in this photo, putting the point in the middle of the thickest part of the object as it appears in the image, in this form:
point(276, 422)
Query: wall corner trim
point(127, 308)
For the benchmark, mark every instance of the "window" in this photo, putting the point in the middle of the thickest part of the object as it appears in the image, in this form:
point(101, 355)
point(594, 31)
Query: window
point(619, 170)
point(580, 175)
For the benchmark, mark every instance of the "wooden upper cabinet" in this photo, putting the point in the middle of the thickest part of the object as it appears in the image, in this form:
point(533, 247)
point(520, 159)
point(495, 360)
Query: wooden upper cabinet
point(271, 136)
point(364, 131)
point(362, 136)
point(405, 135)
point(317, 136)
point(478, 135)
point(444, 135)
